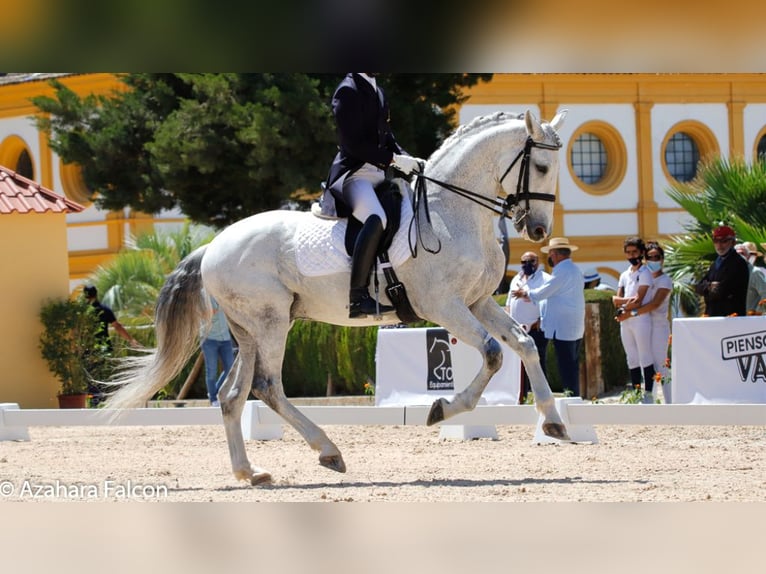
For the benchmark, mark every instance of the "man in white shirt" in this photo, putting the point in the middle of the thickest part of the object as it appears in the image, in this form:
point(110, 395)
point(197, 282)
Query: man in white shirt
point(563, 315)
point(526, 313)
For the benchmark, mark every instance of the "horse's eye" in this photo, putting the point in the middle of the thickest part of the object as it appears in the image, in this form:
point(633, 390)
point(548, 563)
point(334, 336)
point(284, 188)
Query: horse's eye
point(541, 169)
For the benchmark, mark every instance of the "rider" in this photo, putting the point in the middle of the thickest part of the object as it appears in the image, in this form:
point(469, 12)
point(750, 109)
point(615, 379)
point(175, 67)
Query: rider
point(366, 147)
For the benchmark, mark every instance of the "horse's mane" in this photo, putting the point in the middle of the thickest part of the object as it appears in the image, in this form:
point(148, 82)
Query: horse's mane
point(480, 123)
point(475, 125)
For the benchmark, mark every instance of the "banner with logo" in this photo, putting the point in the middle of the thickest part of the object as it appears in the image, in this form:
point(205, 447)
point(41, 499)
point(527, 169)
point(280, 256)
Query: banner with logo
point(417, 366)
point(719, 360)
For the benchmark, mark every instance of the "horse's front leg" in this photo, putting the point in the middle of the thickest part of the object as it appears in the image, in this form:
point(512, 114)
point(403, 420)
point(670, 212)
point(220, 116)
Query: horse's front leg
point(510, 332)
point(461, 322)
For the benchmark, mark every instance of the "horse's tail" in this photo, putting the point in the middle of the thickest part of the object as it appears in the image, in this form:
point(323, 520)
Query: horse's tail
point(180, 311)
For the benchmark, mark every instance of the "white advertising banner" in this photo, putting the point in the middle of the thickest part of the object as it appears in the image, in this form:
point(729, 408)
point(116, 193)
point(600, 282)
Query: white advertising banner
point(719, 360)
point(418, 366)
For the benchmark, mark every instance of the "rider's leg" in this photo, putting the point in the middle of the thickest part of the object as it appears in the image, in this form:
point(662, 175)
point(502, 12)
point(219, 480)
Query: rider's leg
point(367, 209)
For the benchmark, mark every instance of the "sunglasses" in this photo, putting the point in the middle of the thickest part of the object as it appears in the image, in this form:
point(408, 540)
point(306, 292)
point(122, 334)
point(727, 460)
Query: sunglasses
point(653, 258)
point(529, 260)
point(724, 240)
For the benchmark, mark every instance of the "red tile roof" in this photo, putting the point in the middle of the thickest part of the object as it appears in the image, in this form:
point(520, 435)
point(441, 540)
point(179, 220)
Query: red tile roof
point(21, 195)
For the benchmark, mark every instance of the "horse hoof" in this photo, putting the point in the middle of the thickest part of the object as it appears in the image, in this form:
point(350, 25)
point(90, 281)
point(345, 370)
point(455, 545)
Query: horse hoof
point(333, 462)
point(260, 478)
point(556, 430)
point(436, 414)
point(252, 476)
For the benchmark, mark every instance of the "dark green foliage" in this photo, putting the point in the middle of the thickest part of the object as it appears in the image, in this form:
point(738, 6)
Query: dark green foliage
point(70, 345)
point(316, 351)
point(728, 191)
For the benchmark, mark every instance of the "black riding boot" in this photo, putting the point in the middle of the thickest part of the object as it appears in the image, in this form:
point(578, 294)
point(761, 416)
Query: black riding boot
point(365, 248)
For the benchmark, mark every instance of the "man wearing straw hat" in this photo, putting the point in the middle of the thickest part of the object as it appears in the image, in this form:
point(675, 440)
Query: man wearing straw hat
point(563, 315)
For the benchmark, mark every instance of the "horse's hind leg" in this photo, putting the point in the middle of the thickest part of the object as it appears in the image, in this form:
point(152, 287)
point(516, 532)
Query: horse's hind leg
point(233, 395)
point(266, 376)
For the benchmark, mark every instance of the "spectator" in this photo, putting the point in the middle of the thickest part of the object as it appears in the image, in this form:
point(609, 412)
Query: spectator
point(216, 344)
point(756, 285)
point(658, 301)
point(592, 280)
point(107, 317)
point(724, 285)
point(635, 329)
point(563, 315)
point(526, 313)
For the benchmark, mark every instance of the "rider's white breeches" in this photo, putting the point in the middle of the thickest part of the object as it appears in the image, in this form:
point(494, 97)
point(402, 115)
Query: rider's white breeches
point(359, 190)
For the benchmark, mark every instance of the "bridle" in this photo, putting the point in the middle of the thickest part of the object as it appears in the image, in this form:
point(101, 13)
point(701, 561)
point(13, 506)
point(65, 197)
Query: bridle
point(509, 207)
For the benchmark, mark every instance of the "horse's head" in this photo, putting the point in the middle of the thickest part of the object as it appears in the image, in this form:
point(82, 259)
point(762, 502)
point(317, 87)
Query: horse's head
point(530, 198)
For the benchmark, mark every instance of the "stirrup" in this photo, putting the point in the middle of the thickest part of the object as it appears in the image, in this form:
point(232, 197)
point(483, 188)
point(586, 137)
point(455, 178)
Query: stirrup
point(367, 306)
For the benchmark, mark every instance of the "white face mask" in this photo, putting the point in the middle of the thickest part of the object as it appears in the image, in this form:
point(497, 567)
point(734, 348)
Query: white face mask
point(654, 265)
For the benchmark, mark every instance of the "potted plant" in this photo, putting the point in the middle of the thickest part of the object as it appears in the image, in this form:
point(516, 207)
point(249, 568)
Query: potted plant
point(71, 346)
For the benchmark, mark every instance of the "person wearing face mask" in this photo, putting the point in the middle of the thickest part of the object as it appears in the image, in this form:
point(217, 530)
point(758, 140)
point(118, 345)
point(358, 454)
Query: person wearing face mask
point(756, 286)
point(656, 308)
point(527, 313)
point(562, 317)
point(635, 328)
point(724, 285)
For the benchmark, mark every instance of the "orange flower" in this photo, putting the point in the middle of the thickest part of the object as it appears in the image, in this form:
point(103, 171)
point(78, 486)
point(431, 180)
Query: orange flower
point(750, 312)
point(667, 361)
point(762, 302)
point(732, 315)
point(657, 377)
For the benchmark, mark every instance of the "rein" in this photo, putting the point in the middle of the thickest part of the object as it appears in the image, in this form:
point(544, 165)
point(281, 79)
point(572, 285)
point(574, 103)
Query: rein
point(498, 205)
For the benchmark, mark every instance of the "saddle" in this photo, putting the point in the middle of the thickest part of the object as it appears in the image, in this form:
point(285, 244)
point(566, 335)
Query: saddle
point(390, 195)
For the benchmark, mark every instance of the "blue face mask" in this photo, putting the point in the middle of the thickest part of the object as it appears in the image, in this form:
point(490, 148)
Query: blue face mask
point(528, 268)
point(654, 265)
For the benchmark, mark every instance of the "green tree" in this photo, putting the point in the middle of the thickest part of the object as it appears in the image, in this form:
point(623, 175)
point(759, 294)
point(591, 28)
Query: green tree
point(225, 146)
point(731, 192)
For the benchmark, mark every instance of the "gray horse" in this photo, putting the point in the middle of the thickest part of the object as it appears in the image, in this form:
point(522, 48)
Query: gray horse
point(258, 272)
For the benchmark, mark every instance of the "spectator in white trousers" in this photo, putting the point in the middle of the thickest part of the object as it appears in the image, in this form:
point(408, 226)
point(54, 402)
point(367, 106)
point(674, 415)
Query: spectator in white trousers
point(635, 329)
point(658, 301)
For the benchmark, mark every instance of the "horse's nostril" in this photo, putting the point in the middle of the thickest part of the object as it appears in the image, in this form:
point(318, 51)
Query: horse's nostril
point(539, 232)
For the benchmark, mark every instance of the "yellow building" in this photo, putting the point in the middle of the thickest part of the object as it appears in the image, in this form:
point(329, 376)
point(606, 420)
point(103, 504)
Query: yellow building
point(33, 268)
point(627, 138)
point(93, 235)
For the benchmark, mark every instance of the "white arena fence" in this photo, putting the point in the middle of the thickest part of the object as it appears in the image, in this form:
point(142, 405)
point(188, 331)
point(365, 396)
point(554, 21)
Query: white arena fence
point(259, 422)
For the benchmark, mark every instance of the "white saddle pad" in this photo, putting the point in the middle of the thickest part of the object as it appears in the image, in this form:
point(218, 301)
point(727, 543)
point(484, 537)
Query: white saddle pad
point(320, 244)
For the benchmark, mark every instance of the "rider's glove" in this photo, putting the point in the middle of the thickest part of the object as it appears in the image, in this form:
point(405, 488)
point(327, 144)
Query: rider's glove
point(407, 164)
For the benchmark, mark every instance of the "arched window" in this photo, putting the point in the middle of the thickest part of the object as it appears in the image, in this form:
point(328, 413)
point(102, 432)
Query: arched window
point(24, 165)
point(760, 153)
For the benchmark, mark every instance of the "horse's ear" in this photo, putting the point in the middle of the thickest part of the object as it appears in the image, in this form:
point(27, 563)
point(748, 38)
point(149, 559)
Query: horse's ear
point(558, 120)
point(533, 126)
